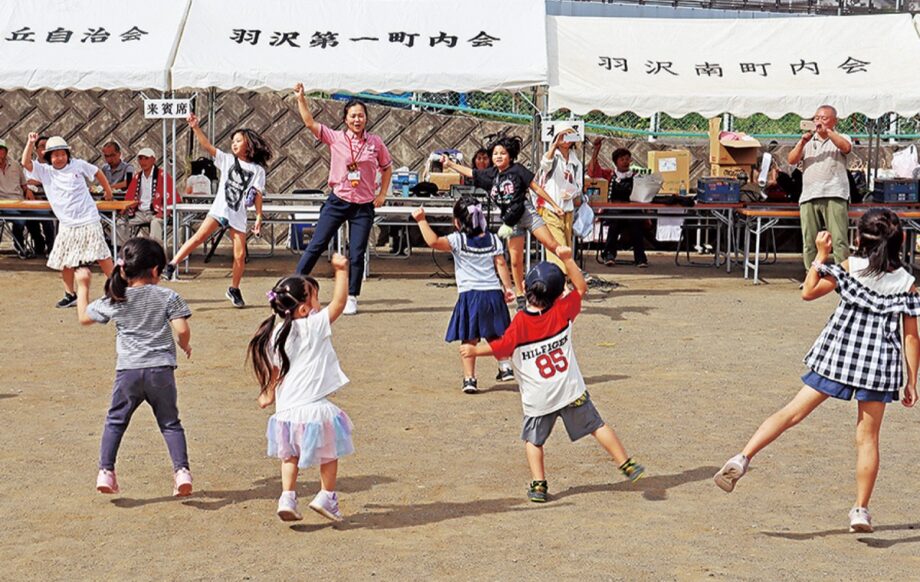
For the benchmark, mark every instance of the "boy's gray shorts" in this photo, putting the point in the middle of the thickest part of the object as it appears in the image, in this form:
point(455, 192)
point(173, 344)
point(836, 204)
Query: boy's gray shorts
point(579, 421)
point(529, 221)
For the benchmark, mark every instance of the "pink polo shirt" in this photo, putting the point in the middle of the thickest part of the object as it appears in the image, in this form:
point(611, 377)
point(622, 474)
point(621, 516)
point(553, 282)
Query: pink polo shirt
point(371, 155)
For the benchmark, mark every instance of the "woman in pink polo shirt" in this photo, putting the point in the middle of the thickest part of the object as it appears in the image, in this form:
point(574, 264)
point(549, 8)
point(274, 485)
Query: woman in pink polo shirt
point(355, 157)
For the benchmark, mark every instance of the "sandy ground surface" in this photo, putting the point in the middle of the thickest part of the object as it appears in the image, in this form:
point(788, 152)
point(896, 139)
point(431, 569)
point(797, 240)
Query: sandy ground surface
point(683, 362)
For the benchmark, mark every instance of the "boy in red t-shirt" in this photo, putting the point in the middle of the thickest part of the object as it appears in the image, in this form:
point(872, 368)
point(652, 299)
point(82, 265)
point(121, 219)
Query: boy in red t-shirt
point(539, 343)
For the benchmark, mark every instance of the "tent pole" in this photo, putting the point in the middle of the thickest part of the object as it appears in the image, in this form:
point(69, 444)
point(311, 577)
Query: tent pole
point(174, 177)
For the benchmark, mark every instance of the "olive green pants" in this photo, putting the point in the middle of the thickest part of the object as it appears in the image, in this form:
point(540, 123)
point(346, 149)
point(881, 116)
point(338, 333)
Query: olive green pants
point(828, 214)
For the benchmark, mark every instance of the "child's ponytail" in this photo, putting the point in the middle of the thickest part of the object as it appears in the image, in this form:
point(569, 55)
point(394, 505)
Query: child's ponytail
point(880, 237)
point(284, 298)
point(470, 216)
point(139, 258)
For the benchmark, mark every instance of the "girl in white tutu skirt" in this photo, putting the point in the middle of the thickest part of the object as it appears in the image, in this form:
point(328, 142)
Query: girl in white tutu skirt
point(296, 366)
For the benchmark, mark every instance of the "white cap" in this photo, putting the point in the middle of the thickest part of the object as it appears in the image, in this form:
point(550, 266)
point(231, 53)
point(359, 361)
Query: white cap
point(56, 143)
point(147, 153)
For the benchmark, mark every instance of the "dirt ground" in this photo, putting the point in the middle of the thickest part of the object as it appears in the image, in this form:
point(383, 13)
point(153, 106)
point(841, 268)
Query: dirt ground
point(683, 362)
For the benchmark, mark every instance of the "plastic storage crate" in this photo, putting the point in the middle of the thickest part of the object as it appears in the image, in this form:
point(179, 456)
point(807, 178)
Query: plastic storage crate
point(712, 190)
point(894, 191)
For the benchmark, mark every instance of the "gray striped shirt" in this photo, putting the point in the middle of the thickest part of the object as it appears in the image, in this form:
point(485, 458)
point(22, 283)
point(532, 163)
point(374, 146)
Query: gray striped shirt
point(143, 336)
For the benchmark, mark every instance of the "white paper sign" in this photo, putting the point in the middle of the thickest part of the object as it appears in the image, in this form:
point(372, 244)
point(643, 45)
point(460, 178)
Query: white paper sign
point(667, 165)
point(167, 108)
point(549, 129)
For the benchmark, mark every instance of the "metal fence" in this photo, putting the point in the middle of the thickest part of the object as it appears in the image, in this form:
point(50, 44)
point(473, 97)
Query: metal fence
point(520, 108)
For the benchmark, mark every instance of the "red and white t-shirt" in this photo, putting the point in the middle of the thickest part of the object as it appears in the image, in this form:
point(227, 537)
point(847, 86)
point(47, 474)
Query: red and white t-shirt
point(541, 352)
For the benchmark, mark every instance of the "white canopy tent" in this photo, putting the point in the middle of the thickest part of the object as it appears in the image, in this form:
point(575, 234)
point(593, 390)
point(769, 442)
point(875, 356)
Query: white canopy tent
point(859, 64)
point(364, 45)
point(88, 44)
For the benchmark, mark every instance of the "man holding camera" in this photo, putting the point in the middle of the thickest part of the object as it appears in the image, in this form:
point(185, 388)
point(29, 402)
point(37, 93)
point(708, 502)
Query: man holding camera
point(825, 187)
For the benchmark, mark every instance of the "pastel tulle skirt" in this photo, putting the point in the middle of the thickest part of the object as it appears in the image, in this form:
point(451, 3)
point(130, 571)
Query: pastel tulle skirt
point(316, 433)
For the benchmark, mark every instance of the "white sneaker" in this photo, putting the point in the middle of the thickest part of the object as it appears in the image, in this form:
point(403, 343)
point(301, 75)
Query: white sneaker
point(860, 520)
point(351, 306)
point(327, 505)
point(731, 471)
point(287, 507)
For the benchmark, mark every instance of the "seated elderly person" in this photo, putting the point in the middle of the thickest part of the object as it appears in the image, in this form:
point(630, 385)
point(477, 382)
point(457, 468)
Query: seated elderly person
point(117, 171)
point(13, 187)
point(147, 187)
point(620, 179)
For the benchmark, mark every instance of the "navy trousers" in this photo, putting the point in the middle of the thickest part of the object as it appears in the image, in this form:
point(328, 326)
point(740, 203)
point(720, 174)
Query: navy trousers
point(157, 387)
point(334, 213)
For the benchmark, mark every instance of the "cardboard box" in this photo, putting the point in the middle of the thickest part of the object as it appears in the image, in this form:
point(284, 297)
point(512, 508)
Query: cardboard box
point(731, 152)
point(596, 189)
point(444, 180)
point(674, 168)
point(731, 170)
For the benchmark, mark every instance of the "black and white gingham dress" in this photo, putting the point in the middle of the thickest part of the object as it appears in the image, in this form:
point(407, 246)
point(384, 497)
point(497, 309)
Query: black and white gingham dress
point(861, 344)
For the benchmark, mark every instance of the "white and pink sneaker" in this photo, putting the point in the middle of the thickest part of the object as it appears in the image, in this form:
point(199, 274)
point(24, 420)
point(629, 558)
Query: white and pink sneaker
point(106, 482)
point(327, 504)
point(287, 507)
point(183, 483)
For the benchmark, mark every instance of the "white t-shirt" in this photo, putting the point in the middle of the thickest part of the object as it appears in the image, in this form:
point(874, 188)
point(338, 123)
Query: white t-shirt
point(230, 202)
point(67, 191)
point(474, 261)
point(315, 371)
point(543, 358)
point(566, 180)
point(146, 187)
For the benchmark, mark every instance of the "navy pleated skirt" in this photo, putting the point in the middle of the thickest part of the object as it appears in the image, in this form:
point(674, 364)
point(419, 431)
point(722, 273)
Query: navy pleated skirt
point(478, 314)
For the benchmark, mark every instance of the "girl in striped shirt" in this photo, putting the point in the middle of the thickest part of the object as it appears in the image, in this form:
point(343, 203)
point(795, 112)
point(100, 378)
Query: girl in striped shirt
point(145, 316)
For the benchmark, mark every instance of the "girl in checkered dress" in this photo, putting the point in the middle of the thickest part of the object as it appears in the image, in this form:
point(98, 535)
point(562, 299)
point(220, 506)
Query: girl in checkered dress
point(859, 352)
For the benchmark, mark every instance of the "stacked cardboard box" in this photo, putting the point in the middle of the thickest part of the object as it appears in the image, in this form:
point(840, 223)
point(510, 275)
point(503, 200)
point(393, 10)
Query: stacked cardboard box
point(730, 157)
point(674, 168)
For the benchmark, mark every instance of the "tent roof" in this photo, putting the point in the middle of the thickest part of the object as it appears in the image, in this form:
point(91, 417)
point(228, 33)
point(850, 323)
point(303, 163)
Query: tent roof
point(364, 45)
point(87, 44)
point(859, 64)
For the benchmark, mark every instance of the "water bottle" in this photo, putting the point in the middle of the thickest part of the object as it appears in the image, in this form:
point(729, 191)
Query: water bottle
point(683, 188)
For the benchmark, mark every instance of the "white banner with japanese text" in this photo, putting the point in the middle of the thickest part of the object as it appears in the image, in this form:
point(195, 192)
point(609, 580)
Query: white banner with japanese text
point(364, 45)
point(859, 64)
point(88, 44)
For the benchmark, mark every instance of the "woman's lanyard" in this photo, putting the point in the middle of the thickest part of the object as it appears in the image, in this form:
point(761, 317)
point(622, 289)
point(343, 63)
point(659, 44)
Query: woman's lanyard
point(353, 175)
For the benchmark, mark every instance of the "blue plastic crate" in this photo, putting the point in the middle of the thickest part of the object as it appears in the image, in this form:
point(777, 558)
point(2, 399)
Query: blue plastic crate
point(897, 190)
point(723, 190)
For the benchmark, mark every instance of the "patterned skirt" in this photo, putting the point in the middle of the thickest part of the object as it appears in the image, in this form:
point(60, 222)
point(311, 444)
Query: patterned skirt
point(315, 433)
point(78, 245)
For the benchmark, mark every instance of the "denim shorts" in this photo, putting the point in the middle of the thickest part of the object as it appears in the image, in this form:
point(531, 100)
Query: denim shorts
point(840, 391)
point(222, 221)
point(530, 221)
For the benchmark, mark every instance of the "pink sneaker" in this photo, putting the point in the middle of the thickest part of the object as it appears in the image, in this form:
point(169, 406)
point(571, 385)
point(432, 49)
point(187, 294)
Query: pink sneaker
point(106, 482)
point(183, 483)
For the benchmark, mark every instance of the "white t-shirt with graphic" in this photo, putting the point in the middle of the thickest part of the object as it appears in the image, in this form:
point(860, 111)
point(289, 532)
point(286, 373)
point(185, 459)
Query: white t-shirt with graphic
point(67, 191)
point(541, 352)
point(315, 371)
point(230, 202)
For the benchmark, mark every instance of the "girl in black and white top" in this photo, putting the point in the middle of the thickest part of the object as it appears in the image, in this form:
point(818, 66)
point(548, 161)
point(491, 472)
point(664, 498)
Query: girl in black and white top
point(859, 352)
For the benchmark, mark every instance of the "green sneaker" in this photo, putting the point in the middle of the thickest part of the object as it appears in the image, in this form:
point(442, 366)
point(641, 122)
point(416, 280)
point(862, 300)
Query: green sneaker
point(538, 491)
point(632, 470)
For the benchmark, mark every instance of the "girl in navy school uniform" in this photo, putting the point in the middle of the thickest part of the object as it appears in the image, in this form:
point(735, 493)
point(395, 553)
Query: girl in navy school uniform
point(859, 352)
point(481, 310)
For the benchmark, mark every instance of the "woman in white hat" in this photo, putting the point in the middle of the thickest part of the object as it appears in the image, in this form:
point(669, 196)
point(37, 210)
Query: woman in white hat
point(80, 239)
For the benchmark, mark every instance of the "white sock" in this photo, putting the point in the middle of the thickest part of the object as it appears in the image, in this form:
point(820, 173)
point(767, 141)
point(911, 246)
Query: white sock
point(291, 494)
